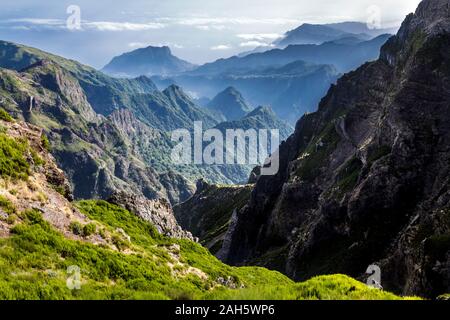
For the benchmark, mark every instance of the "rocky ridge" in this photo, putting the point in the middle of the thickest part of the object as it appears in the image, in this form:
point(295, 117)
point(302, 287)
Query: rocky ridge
point(364, 180)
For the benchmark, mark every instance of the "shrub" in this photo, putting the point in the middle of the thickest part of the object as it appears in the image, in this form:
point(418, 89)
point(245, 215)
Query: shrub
point(7, 205)
point(45, 142)
point(13, 162)
point(5, 116)
point(76, 228)
point(89, 229)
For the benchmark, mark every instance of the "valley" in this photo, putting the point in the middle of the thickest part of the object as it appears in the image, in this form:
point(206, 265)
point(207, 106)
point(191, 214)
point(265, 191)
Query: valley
point(94, 205)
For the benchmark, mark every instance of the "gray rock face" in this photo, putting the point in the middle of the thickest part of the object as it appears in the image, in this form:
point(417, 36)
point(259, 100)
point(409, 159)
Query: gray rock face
point(208, 213)
point(365, 179)
point(157, 212)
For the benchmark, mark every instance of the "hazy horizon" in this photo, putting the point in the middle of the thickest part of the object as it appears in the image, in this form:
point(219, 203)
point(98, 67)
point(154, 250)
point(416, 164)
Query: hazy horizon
point(199, 31)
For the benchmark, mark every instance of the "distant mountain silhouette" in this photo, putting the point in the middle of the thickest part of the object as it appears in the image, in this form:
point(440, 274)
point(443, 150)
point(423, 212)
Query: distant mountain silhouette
point(230, 104)
point(147, 61)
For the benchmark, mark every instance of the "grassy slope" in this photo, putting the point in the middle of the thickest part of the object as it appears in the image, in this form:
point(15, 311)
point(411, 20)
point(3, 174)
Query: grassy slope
point(34, 260)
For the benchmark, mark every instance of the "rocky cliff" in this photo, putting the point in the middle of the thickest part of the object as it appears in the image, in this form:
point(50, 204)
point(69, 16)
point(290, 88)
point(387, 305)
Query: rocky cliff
point(364, 180)
point(208, 213)
point(158, 212)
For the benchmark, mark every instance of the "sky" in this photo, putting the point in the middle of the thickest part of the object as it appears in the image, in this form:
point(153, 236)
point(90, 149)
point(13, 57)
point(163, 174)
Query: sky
point(196, 30)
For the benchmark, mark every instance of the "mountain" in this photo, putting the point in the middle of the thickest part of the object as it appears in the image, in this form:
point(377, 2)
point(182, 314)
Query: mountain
point(291, 90)
point(211, 226)
point(147, 61)
point(343, 56)
point(230, 104)
point(130, 248)
point(106, 94)
point(102, 147)
point(364, 180)
point(314, 34)
point(320, 33)
point(361, 28)
point(90, 148)
point(291, 80)
point(259, 118)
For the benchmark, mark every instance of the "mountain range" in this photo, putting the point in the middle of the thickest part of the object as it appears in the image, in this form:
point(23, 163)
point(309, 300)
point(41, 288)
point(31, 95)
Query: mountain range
point(364, 180)
point(291, 76)
point(318, 34)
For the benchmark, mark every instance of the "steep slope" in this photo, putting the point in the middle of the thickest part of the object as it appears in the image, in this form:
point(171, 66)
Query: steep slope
point(53, 249)
point(201, 215)
point(148, 62)
point(230, 104)
point(106, 94)
point(365, 179)
point(95, 155)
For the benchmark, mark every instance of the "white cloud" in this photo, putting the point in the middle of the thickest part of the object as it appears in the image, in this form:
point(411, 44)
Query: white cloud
point(211, 27)
point(137, 45)
point(227, 20)
point(37, 21)
point(121, 26)
point(254, 44)
point(221, 47)
point(85, 25)
point(259, 36)
point(144, 45)
point(204, 28)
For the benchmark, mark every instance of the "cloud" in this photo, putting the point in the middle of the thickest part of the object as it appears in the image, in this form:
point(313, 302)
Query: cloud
point(211, 27)
point(254, 44)
point(32, 23)
point(221, 47)
point(259, 36)
point(202, 21)
point(137, 45)
point(144, 45)
point(48, 22)
point(121, 26)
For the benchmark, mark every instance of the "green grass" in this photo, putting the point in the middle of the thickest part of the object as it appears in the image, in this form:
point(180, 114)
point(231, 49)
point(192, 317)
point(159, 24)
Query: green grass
point(330, 287)
point(13, 161)
point(319, 151)
point(45, 142)
point(5, 116)
point(35, 258)
point(7, 205)
point(349, 175)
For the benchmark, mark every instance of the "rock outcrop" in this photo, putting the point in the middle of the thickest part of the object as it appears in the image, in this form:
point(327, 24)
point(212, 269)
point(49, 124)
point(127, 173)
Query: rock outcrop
point(364, 180)
point(157, 212)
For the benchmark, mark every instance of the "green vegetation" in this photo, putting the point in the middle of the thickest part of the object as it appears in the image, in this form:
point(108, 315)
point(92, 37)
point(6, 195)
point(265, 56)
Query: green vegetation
point(5, 116)
point(318, 152)
point(44, 142)
point(35, 259)
point(76, 228)
point(13, 161)
point(332, 287)
point(89, 229)
point(349, 175)
point(7, 205)
point(378, 153)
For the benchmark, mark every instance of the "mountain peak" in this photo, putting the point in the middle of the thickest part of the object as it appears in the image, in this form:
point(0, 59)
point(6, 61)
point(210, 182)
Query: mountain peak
point(147, 61)
point(261, 110)
point(230, 103)
point(431, 18)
